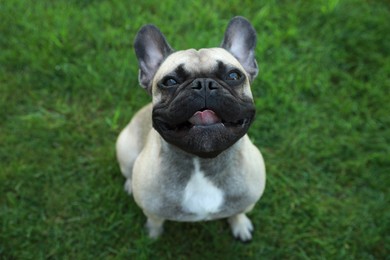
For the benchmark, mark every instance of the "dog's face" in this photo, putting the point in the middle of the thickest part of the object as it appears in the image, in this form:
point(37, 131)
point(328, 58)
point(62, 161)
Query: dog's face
point(202, 102)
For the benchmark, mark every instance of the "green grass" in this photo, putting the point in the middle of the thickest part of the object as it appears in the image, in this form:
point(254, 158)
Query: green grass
point(68, 84)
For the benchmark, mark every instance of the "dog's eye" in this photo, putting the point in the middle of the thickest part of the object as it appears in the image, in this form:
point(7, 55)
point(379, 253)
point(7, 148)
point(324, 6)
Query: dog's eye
point(169, 82)
point(233, 75)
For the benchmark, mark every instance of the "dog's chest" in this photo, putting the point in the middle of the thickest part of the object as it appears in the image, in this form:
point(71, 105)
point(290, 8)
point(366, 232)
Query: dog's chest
point(201, 198)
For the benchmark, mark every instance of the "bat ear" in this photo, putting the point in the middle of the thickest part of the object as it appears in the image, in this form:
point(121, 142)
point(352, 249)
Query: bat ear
point(151, 49)
point(240, 40)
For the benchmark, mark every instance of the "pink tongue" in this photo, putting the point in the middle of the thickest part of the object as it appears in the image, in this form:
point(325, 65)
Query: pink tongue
point(206, 117)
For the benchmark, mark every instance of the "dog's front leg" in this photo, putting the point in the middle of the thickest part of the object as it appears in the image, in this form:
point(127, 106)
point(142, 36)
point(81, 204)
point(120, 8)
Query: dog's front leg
point(241, 227)
point(154, 225)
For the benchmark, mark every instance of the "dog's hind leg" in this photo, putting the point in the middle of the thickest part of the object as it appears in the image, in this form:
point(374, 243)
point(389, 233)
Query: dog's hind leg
point(131, 141)
point(127, 151)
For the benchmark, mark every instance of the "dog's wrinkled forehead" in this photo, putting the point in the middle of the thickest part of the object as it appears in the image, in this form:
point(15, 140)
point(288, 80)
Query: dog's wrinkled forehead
point(197, 61)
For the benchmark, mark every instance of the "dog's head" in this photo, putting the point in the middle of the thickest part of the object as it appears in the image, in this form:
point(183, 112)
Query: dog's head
point(202, 101)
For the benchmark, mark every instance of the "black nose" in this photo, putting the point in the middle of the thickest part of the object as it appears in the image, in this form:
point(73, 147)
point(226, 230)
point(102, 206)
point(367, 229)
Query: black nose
point(204, 84)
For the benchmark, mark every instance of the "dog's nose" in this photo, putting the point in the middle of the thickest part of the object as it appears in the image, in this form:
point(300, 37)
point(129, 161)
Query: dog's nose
point(204, 84)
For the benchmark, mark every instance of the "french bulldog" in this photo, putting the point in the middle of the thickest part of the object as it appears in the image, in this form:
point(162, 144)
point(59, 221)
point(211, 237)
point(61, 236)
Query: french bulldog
point(186, 155)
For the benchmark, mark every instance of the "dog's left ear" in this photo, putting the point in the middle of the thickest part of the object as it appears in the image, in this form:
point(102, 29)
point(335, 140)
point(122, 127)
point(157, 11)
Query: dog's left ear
point(240, 40)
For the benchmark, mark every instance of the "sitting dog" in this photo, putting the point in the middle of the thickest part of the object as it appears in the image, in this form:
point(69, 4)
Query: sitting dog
point(187, 156)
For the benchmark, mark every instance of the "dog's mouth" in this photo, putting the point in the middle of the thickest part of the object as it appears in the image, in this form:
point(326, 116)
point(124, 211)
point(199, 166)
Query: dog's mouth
point(206, 119)
point(205, 132)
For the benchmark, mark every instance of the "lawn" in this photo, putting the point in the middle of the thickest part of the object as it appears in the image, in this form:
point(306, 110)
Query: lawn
point(68, 85)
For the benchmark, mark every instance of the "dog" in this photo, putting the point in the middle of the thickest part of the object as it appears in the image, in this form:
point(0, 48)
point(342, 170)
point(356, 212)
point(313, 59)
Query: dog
point(186, 156)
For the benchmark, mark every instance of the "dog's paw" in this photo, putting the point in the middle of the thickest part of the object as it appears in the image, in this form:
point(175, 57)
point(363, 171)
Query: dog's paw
point(127, 186)
point(154, 227)
point(241, 227)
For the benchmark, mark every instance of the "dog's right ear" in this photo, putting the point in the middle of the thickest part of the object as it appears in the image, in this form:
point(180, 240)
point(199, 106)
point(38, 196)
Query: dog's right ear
point(151, 49)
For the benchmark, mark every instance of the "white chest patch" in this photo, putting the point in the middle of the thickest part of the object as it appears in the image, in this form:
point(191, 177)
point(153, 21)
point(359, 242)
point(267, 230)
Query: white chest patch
point(201, 196)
